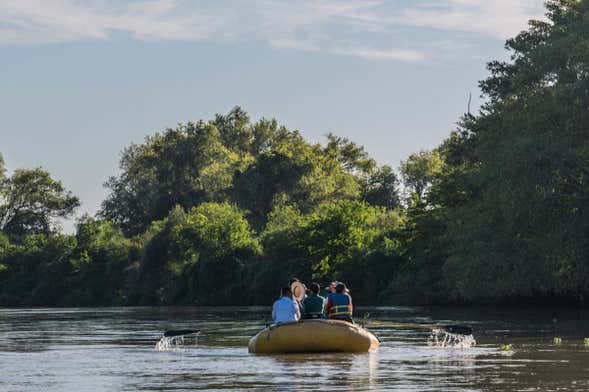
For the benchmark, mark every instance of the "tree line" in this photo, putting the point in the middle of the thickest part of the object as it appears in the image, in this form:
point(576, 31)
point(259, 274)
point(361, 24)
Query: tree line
point(223, 211)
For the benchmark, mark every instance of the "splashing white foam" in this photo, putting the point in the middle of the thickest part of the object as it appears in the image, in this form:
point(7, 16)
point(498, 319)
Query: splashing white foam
point(442, 338)
point(169, 343)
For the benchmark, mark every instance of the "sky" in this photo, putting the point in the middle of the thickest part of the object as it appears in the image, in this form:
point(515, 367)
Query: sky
point(80, 80)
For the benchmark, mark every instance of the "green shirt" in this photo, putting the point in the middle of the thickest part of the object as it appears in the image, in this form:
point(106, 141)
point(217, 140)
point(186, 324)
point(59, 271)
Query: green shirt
point(313, 304)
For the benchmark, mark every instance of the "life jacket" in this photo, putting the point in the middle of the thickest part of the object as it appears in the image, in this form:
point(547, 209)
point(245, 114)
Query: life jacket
point(341, 306)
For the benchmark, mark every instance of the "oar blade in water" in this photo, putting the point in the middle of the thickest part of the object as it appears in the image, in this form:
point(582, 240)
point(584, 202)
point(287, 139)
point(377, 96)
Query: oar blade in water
point(180, 332)
point(457, 329)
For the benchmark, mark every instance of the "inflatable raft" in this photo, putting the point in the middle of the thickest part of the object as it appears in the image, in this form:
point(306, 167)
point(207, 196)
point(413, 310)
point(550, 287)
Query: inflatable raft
point(307, 336)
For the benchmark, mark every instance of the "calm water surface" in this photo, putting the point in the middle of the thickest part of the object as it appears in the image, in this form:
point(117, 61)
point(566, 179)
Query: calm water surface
point(112, 349)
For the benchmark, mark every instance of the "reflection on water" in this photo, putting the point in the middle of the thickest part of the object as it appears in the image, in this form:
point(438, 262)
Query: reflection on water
point(113, 349)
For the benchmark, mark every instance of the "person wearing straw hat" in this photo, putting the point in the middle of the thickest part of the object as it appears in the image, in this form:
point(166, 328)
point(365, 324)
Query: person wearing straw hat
point(299, 292)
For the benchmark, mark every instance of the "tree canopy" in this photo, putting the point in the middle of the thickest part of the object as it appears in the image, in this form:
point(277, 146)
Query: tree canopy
point(513, 191)
point(30, 201)
point(225, 211)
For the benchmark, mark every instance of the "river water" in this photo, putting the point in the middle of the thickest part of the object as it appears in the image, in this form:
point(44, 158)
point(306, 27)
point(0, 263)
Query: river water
point(113, 349)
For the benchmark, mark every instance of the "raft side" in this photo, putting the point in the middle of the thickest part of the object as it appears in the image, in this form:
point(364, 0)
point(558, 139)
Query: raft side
point(313, 336)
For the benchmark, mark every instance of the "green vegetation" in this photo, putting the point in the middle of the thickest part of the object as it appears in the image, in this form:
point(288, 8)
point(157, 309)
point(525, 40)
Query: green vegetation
point(225, 211)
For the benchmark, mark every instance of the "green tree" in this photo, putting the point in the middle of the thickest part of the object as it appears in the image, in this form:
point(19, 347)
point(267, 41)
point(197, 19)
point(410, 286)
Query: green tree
point(347, 240)
point(30, 201)
point(271, 175)
point(516, 185)
point(420, 169)
point(184, 166)
point(2, 169)
point(380, 188)
point(352, 157)
point(102, 260)
point(196, 257)
point(37, 270)
point(235, 130)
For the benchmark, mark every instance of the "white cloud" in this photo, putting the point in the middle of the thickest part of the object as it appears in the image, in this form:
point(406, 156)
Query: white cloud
point(498, 18)
point(371, 29)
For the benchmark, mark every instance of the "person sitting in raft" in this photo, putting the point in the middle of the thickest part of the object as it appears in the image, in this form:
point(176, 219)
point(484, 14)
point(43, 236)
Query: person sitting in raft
point(297, 288)
point(313, 303)
point(339, 305)
point(285, 309)
point(331, 288)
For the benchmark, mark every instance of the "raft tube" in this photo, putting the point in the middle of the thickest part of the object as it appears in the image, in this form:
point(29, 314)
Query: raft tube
point(313, 336)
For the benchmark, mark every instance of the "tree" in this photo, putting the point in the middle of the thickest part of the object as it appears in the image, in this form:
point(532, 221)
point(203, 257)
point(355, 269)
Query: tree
point(235, 130)
point(352, 157)
point(347, 240)
point(419, 170)
point(184, 166)
point(272, 174)
point(103, 261)
point(380, 188)
point(30, 201)
point(220, 231)
point(2, 169)
point(517, 183)
point(36, 270)
point(195, 257)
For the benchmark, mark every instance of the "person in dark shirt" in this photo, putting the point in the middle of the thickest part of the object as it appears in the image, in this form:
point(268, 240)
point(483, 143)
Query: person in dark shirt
point(313, 303)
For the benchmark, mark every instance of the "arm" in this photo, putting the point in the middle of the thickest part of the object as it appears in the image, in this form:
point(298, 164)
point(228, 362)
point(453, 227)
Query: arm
point(304, 307)
point(328, 306)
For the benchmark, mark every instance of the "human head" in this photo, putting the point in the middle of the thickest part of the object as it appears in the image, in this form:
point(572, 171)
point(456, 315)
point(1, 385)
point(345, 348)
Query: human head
point(340, 288)
point(285, 292)
point(315, 288)
point(292, 280)
point(331, 287)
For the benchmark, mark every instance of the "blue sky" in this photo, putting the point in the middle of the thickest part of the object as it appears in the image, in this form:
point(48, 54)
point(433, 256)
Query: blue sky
point(80, 80)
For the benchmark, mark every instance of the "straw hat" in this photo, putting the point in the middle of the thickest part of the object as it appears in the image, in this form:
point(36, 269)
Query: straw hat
point(298, 290)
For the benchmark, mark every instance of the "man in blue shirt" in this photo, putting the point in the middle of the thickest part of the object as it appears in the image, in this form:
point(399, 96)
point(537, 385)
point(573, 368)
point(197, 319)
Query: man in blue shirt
point(285, 309)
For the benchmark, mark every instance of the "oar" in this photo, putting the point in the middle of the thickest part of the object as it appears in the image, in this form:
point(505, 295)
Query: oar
point(180, 332)
point(454, 329)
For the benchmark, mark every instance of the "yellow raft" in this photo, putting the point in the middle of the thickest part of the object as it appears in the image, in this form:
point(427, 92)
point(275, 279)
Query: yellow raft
point(307, 336)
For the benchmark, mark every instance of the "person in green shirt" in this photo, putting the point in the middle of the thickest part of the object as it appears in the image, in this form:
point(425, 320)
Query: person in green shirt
point(313, 303)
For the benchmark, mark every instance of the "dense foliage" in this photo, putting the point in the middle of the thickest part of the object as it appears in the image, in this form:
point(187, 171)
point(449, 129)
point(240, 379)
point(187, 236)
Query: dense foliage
point(225, 211)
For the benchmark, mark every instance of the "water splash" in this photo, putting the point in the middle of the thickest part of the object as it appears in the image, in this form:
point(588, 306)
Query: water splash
point(442, 338)
point(170, 343)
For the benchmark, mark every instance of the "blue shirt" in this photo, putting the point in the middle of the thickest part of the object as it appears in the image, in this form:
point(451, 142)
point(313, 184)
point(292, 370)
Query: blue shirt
point(285, 310)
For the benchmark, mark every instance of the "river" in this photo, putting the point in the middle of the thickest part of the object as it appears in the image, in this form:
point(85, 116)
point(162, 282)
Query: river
point(112, 349)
